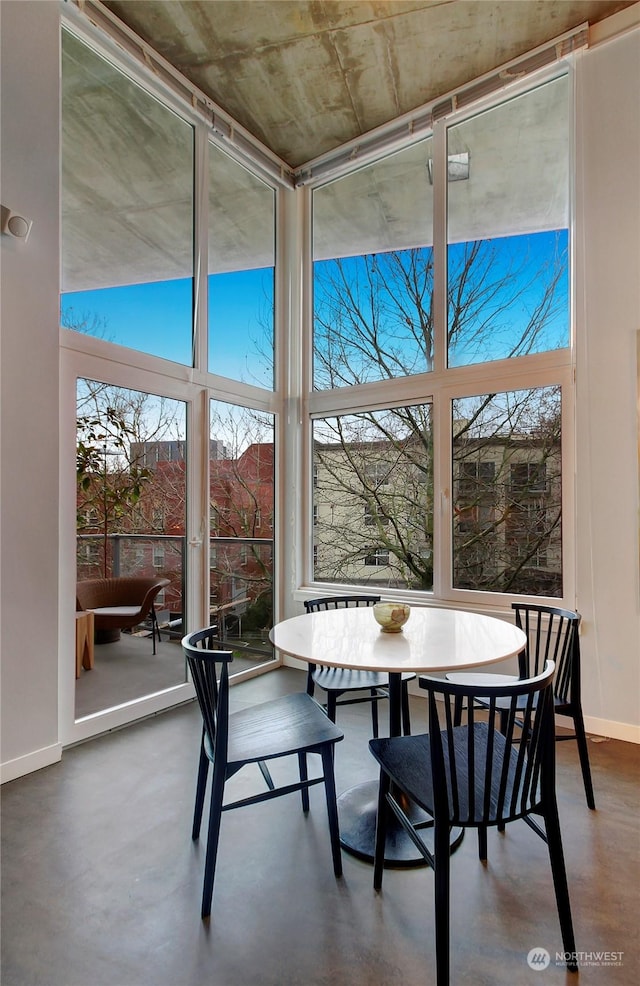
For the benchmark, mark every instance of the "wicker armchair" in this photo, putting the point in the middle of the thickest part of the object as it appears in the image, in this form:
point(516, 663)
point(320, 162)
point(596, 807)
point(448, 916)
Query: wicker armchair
point(120, 604)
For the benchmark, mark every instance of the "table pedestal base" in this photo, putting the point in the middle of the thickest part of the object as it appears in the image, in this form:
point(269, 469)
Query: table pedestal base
point(357, 811)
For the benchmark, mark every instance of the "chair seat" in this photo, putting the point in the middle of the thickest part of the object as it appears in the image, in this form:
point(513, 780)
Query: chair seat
point(277, 728)
point(345, 680)
point(120, 611)
point(407, 760)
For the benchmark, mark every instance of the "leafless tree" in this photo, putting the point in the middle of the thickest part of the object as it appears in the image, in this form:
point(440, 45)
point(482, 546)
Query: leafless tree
point(374, 321)
point(118, 491)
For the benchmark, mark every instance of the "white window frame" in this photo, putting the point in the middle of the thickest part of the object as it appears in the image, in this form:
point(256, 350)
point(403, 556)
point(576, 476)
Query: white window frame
point(86, 356)
point(441, 386)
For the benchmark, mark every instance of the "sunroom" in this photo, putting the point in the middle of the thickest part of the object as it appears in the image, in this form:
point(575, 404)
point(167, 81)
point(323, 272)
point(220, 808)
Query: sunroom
point(375, 370)
point(403, 361)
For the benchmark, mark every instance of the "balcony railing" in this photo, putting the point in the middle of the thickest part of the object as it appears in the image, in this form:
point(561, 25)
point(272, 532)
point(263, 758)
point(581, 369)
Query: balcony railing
point(240, 580)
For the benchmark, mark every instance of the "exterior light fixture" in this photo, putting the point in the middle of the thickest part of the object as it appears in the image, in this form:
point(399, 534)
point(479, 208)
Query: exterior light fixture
point(457, 167)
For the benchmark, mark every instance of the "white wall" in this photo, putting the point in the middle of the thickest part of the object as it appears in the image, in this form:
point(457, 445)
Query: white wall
point(608, 320)
point(29, 388)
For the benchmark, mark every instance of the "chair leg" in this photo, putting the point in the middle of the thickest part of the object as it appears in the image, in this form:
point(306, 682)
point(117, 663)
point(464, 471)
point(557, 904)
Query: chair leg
point(213, 836)
point(304, 776)
point(154, 628)
point(203, 770)
point(441, 856)
point(374, 713)
point(310, 682)
point(558, 870)
point(482, 842)
point(583, 752)
point(332, 701)
point(406, 717)
point(332, 807)
point(381, 829)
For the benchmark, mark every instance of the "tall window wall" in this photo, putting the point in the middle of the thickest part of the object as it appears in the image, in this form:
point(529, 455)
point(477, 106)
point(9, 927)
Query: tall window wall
point(162, 315)
point(441, 301)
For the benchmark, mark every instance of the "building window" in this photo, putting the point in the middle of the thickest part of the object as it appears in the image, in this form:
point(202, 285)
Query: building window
point(373, 515)
point(528, 478)
point(379, 558)
point(158, 556)
point(377, 473)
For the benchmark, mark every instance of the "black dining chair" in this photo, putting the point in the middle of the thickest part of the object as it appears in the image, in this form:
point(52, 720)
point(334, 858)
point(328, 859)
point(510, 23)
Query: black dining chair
point(287, 726)
point(339, 681)
point(552, 635)
point(482, 774)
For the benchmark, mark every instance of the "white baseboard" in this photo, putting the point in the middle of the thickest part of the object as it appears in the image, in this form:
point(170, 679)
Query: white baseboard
point(12, 769)
point(625, 731)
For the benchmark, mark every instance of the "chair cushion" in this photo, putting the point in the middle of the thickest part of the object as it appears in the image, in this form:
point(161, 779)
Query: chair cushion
point(125, 611)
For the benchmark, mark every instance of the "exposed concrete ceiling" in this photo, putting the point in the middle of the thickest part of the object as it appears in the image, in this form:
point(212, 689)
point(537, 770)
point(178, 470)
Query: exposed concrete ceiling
point(303, 77)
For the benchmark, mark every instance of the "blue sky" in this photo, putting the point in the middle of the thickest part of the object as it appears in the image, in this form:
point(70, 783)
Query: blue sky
point(156, 317)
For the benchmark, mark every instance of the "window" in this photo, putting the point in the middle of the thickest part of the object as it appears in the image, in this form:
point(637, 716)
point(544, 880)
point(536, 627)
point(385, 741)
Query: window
point(377, 473)
point(474, 332)
point(373, 284)
point(347, 450)
point(508, 504)
point(528, 477)
point(120, 282)
point(379, 558)
point(242, 268)
point(241, 497)
point(129, 216)
point(373, 515)
point(124, 492)
point(508, 225)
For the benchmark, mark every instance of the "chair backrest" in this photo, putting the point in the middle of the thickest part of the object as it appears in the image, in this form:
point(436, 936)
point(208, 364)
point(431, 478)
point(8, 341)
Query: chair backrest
point(209, 668)
point(338, 602)
point(480, 774)
point(552, 635)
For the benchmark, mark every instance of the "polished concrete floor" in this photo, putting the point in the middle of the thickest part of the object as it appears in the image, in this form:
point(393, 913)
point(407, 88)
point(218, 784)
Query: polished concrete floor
point(101, 882)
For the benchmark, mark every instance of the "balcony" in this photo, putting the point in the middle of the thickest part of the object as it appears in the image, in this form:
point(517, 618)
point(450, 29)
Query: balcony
point(240, 602)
